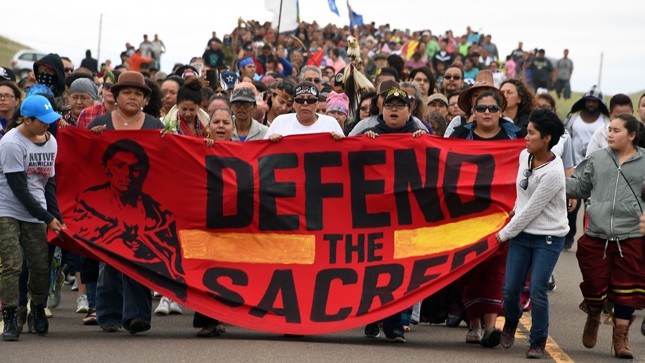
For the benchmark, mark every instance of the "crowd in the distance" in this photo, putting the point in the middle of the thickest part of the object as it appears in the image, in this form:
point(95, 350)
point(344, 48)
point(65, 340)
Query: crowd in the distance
point(254, 84)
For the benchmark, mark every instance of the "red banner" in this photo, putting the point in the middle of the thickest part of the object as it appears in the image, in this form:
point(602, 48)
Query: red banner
point(304, 236)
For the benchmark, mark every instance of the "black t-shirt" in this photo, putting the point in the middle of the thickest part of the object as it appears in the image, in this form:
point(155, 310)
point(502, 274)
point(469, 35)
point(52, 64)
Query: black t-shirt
point(501, 135)
point(149, 122)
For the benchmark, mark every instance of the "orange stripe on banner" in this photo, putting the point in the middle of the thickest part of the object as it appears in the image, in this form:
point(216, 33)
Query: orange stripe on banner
point(248, 247)
point(446, 237)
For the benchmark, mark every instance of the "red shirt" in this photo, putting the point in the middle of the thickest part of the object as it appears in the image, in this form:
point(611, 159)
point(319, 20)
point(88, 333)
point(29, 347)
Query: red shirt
point(88, 114)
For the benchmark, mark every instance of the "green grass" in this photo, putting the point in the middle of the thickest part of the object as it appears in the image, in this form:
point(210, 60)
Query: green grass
point(564, 106)
point(7, 50)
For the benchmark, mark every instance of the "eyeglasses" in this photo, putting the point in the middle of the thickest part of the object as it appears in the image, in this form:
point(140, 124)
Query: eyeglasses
point(365, 108)
point(314, 80)
point(107, 85)
point(309, 101)
point(395, 106)
point(6, 96)
point(452, 104)
point(82, 98)
point(68, 69)
point(524, 183)
point(483, 108)
point(242, 104)
point(454, 77)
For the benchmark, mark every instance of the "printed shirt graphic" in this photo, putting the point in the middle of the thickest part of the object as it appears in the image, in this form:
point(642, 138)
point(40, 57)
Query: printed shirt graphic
point(19, 154)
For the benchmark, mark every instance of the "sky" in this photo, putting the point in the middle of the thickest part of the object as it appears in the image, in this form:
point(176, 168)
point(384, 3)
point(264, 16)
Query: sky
point(588, 28)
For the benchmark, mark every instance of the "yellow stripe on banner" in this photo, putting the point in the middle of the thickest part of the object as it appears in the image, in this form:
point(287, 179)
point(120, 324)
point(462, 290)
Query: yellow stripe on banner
point(446, 237)
point(552, 347)
point(248, 247)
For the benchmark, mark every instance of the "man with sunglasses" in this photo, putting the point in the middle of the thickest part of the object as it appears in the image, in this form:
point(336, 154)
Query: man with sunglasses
point(305, 120)
point(108, 105)
point(453, 80)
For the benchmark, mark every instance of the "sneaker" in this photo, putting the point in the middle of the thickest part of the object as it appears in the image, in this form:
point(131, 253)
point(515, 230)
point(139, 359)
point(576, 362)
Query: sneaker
point(552, 285)
point(208, 331)
point(474, 336)
point(110, 328)
point(53, 300)
point(491, 338)
point(453, 321)
point(48, 313)
point(164, 307)
point(82, 305)
point(75, 285)
point(135, 325)
point(525, 302)
point(536, 351)
point(174, 308)
point(372, 330)
point(156, 294)
point(508, 334)
point(69, 279)
point(90, 318)
point(395, 336)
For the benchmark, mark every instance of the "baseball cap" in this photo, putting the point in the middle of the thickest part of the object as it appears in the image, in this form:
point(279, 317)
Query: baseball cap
point(7, 74)
point(396, 93)
point(39, 107)
point(243, 94)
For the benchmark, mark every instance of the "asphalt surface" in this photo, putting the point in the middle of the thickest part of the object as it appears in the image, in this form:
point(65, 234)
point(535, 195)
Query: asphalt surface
point(173, 339)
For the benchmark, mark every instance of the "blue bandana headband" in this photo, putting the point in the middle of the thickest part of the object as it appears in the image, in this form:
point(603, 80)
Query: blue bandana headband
point(246, 61)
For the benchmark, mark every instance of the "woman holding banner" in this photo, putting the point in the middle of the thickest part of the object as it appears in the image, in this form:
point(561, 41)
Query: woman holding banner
point(120, 300)
point(536, 231)
point(220, 128)
point(481, 287)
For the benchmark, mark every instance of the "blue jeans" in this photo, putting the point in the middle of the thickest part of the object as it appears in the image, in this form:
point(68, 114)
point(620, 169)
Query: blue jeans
point(529, 252)
point(120, 298)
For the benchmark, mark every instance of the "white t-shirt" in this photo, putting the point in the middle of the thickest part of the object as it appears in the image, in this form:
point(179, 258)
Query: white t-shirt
point(288, 124)
point(581, 133)
point(19, 154)
point(598, 141)
point(564, 151)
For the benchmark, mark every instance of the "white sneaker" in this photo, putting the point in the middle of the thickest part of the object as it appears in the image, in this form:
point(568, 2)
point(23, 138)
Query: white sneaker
point(48, 313)
point(174, 307)
point(156, 294)
point(82, 305)
point(75, 285)
point(164, 307)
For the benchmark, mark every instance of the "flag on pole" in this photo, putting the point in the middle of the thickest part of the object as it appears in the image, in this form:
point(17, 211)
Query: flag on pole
point(332, 7)
point(288, 19)
point(354, 19)
point(316, 58)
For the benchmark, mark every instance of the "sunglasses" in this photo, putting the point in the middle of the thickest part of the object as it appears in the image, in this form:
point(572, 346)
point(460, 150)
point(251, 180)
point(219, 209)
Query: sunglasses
point(314, 80)
point(483, 108)
point(309, 101)
point(68, 69)
point(524, 183)
point(453, 77)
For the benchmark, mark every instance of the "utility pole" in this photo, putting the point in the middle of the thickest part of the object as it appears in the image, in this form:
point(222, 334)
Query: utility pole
point(600, 70)
point(98, 53)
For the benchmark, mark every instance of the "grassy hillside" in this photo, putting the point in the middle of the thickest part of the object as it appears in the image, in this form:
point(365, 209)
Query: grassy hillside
point(563, 107)
point(7, 49)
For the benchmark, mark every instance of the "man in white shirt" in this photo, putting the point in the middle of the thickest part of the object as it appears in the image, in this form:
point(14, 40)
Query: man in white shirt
point(305, 120)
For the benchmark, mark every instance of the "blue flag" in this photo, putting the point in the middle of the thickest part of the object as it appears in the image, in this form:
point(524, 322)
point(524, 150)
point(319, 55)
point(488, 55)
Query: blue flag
point(332, 7)
point(354, 19)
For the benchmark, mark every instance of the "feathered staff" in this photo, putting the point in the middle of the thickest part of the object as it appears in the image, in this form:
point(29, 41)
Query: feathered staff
point(353, 78)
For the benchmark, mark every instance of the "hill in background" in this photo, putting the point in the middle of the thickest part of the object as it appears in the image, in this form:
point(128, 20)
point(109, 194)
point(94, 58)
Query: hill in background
point(8, 48)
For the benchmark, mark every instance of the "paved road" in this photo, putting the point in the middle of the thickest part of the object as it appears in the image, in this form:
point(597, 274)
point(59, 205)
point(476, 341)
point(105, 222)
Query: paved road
point(172, 339)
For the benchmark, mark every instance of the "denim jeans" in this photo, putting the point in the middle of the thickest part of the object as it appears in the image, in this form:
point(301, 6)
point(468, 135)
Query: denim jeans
point(534, 253)
point(120, 298)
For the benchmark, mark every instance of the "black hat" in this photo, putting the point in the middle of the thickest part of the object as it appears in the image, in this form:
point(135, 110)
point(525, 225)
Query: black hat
point(6, 74)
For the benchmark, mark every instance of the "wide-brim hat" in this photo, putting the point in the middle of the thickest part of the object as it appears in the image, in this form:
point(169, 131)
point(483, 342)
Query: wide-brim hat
point(131, 79)
point(483, 81)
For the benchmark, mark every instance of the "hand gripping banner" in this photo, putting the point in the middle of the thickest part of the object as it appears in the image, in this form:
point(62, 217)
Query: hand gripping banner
point(304, 236)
